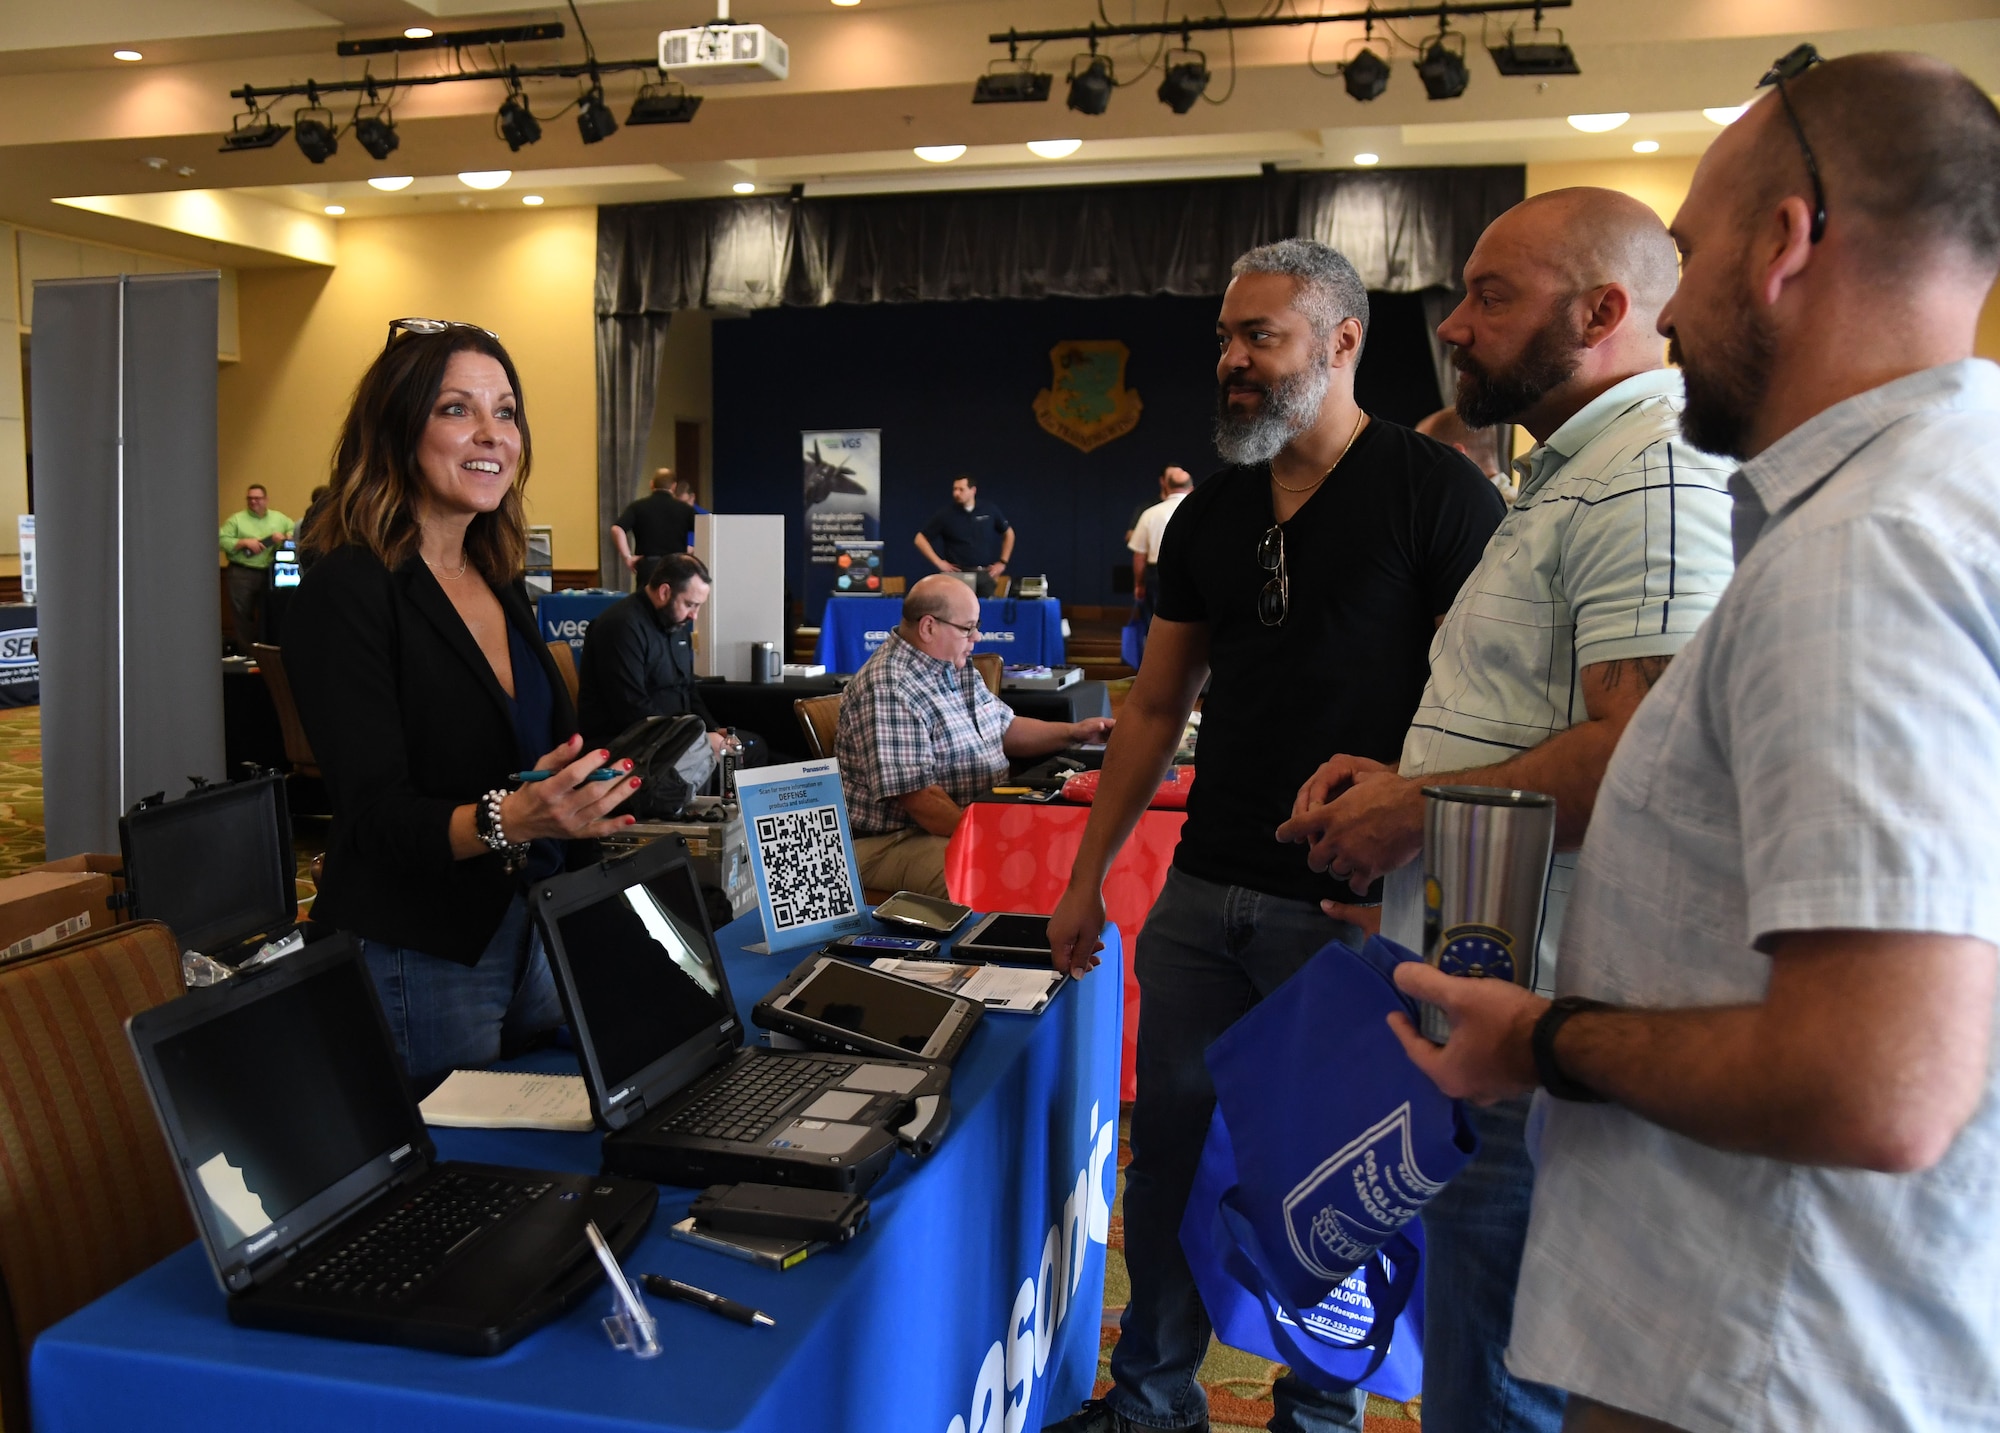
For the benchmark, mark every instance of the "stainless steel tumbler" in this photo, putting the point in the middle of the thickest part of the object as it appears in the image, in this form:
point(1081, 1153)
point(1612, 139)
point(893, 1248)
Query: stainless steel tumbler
point(766, 662)
point(1486, 881)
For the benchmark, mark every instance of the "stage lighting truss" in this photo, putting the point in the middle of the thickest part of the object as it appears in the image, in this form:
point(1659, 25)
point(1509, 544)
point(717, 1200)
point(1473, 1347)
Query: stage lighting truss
point(515, 122)
point(1090, 87)
point(1185, 81)
point(316, 131)
point(1441, 68)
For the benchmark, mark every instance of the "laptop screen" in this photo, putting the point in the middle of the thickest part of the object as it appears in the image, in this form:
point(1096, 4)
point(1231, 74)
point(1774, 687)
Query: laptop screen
point(280, 1098)
point(643, 972)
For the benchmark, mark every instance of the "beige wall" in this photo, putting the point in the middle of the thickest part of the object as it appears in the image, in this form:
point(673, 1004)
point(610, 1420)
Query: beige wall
point(307, 335)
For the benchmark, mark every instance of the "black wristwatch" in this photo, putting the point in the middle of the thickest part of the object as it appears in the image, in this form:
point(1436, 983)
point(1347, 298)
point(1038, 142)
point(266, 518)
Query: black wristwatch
point(1544, 1044)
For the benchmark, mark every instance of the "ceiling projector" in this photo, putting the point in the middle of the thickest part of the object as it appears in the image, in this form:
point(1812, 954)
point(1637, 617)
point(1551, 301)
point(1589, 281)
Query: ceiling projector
point(720, 53)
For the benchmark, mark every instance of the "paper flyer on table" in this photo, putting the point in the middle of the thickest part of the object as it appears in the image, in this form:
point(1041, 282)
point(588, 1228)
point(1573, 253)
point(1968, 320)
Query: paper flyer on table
point(801, 853)
point(1005, 989)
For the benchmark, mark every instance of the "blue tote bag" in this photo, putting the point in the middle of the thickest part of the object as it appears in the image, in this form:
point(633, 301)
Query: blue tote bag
point(1326, 1142)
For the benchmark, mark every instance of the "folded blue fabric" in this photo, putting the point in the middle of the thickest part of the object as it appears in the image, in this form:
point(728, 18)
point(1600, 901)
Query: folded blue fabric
point(1325, 1144)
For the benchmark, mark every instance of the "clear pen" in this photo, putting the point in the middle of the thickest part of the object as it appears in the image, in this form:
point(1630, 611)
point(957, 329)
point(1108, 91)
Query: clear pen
point(644, 1334)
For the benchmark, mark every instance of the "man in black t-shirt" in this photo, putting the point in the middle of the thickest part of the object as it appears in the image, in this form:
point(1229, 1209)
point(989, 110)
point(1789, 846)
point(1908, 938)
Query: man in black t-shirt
point(967, 535)
point(1303, 583)
point(654, 526)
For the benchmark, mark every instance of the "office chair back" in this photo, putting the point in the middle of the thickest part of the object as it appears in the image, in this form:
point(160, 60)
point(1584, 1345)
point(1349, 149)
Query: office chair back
point(988, 665)
point(298, 751)
point(88, 1195)
point(819, 720)
point(565, 660)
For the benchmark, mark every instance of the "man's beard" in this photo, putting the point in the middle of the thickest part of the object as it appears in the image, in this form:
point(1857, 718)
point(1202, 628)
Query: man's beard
point(1728, 383)
point(1549, 360)
point(1290, 406)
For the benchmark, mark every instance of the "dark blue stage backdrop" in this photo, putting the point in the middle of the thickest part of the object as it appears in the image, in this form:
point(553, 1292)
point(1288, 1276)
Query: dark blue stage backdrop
point(953, 387)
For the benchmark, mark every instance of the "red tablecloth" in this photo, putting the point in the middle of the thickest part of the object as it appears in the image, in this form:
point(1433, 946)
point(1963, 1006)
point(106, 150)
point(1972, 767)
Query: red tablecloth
point(1017, 858)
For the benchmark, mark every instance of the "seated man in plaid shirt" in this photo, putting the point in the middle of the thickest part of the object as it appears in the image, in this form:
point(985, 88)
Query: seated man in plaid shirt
point(920, 736)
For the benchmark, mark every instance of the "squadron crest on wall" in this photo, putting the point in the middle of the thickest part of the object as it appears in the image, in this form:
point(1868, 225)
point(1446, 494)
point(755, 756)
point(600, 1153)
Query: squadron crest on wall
point(1088, 404)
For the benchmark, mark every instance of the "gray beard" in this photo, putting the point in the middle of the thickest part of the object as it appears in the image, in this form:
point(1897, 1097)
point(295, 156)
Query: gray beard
point(1291, 405)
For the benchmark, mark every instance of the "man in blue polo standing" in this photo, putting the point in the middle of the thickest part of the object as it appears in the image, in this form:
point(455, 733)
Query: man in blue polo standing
point(967, 535)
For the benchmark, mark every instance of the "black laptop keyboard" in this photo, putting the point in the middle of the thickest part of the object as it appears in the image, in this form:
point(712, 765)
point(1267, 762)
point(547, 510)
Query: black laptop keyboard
point(392, 1259)
point(750, 1094)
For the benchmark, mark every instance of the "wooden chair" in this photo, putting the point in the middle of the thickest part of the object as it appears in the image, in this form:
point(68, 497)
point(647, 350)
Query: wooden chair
point(88, 1196)
point(566, 664)
point(895, 586)
point(989, 667)
point(1002, 585)
point(819, 720)
point(298, 751)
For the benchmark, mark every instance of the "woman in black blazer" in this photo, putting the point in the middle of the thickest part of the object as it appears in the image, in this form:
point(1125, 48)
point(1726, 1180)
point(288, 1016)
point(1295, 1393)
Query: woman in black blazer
point(423, 684)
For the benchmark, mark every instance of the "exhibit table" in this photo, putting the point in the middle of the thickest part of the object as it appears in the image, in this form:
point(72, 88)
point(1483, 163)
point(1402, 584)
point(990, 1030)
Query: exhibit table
point(971, 1302)
point(1016, 856)
point(566, 616)
point(766, 707)
point(1026, 632)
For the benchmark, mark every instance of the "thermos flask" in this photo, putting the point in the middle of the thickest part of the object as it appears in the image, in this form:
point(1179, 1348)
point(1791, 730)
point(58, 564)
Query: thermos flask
point(766, 665)
point(1486, 879)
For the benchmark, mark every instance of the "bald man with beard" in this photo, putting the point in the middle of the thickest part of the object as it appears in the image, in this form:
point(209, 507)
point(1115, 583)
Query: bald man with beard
point(1616, 549)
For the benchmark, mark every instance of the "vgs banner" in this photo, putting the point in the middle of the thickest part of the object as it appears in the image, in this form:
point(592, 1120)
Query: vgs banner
point(20, 666)
point(843, 508)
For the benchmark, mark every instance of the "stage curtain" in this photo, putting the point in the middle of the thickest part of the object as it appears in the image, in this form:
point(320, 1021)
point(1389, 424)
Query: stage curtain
point(629, 347)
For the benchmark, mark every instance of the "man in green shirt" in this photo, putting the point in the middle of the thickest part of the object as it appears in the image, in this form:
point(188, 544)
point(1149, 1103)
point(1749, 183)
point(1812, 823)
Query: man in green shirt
point(247, 540)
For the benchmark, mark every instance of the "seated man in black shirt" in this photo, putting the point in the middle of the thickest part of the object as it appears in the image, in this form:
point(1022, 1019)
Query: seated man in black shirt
point(968, 535)
point(654, 526)
point(638, 660)
point(1303, 584)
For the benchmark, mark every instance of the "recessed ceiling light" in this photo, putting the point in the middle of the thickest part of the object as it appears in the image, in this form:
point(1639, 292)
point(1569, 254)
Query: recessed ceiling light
point(939, 153)
point(1366, 158)
point(418, 32)
point(1598, 123)
point(847, 2)
point(334, 211)
point(1054, 148)
point(1725, 114)
point(532, 200)
point(126, 55)
point(485, 178)
point(1645, 146)
point(390, 183)
point(743, 186)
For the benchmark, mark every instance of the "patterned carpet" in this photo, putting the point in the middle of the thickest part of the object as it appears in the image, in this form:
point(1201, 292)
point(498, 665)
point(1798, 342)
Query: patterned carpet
point(1238, 1384)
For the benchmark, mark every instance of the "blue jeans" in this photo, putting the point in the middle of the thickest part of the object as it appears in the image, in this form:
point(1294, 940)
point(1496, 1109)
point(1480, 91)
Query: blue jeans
point(445, 1016)
point(1473, 1235)
point(1207, 954)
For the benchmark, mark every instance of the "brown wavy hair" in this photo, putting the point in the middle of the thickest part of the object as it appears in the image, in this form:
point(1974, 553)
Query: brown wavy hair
point(375, 479)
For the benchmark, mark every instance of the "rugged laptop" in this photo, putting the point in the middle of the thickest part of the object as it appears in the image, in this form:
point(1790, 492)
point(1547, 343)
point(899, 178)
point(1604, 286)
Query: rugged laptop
point(663, 1055)
point(314, 1182)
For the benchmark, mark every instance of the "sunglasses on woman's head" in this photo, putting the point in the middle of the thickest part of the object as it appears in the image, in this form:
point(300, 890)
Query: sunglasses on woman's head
point(431, 325)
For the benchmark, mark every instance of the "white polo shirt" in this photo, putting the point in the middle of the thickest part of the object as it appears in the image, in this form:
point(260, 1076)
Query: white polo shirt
point(1617, 547)
point(1153, 526)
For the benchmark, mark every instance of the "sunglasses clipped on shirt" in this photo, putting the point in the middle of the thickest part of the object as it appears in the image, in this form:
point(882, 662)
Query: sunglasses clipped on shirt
point(1274, 602)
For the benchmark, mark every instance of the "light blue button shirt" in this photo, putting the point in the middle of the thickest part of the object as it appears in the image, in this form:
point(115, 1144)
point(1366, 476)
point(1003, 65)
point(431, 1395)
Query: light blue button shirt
point(1825, 754)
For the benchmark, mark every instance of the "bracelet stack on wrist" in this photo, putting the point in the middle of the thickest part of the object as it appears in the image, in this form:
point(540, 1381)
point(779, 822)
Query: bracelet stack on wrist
point(486, 821)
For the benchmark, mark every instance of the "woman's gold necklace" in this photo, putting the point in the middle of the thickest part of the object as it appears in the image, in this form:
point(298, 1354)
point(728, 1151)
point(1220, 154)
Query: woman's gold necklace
point(1359, 419)
point(463, 559)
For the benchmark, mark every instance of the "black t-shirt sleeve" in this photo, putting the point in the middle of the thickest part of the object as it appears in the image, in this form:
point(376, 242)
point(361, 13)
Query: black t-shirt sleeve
point(1462, 510)
point(629, 519)
point(1177, 596)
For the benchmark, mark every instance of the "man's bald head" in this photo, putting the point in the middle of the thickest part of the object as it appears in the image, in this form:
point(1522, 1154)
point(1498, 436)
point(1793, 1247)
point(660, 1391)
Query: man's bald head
point(1908, 151)
point(1481, 445)
point(952, 605)
point(1592, 237)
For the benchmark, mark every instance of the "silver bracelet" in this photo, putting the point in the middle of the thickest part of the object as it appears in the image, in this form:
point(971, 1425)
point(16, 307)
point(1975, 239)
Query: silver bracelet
point(489, 829)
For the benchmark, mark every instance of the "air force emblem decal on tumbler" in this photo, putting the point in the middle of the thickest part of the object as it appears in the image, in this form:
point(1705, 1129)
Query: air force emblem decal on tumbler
point(1343, 1211)
point(1087, 404)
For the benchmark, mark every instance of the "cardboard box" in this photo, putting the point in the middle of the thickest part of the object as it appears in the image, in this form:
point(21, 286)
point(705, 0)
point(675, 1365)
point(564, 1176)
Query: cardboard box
point(39, 908)
point(103, 865)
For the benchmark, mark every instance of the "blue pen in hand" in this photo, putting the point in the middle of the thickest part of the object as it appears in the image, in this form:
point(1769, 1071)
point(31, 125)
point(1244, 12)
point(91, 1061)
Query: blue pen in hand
point(603, 773)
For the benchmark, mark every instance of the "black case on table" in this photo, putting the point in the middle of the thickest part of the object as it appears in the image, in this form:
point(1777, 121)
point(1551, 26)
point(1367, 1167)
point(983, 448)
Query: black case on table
point(214, 865)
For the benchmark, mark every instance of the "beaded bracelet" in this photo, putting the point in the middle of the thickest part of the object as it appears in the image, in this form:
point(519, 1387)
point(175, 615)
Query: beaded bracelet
point(487, 823)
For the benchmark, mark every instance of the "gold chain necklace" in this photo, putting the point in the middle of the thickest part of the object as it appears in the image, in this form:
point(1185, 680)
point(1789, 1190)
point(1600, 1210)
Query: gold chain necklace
point(464, 558)
point(1359, 419)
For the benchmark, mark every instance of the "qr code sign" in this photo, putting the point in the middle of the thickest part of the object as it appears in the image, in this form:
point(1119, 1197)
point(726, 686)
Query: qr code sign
point(806, 866)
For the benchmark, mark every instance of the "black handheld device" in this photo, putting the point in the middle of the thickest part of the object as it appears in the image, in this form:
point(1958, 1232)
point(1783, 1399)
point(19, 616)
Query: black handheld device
point(779, 1211)
point(838, 1005)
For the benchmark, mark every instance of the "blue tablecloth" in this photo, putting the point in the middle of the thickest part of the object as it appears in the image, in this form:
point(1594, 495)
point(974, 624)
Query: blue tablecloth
point(962, 1299)
point(1026, 632)
point(565, 616)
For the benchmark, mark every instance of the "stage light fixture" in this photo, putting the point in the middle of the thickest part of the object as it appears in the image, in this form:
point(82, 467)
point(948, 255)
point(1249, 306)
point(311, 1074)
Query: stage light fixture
point(663, 104)
point(1012, 86)
point(1535, 54)
point(377, 134)
point(390, 183)
point(258, 133)
point(594, 120)
point(1365, 76)
point(1090, 87)
point(1185, 81)
point(1442, 69)
point(516, 122)
point(317, 134)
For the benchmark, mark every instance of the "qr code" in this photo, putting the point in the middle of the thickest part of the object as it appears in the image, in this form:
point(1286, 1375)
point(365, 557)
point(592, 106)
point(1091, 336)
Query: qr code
point(805, 865)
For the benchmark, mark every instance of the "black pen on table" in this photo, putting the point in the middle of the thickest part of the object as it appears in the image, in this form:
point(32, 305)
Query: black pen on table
point(716, 1304)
